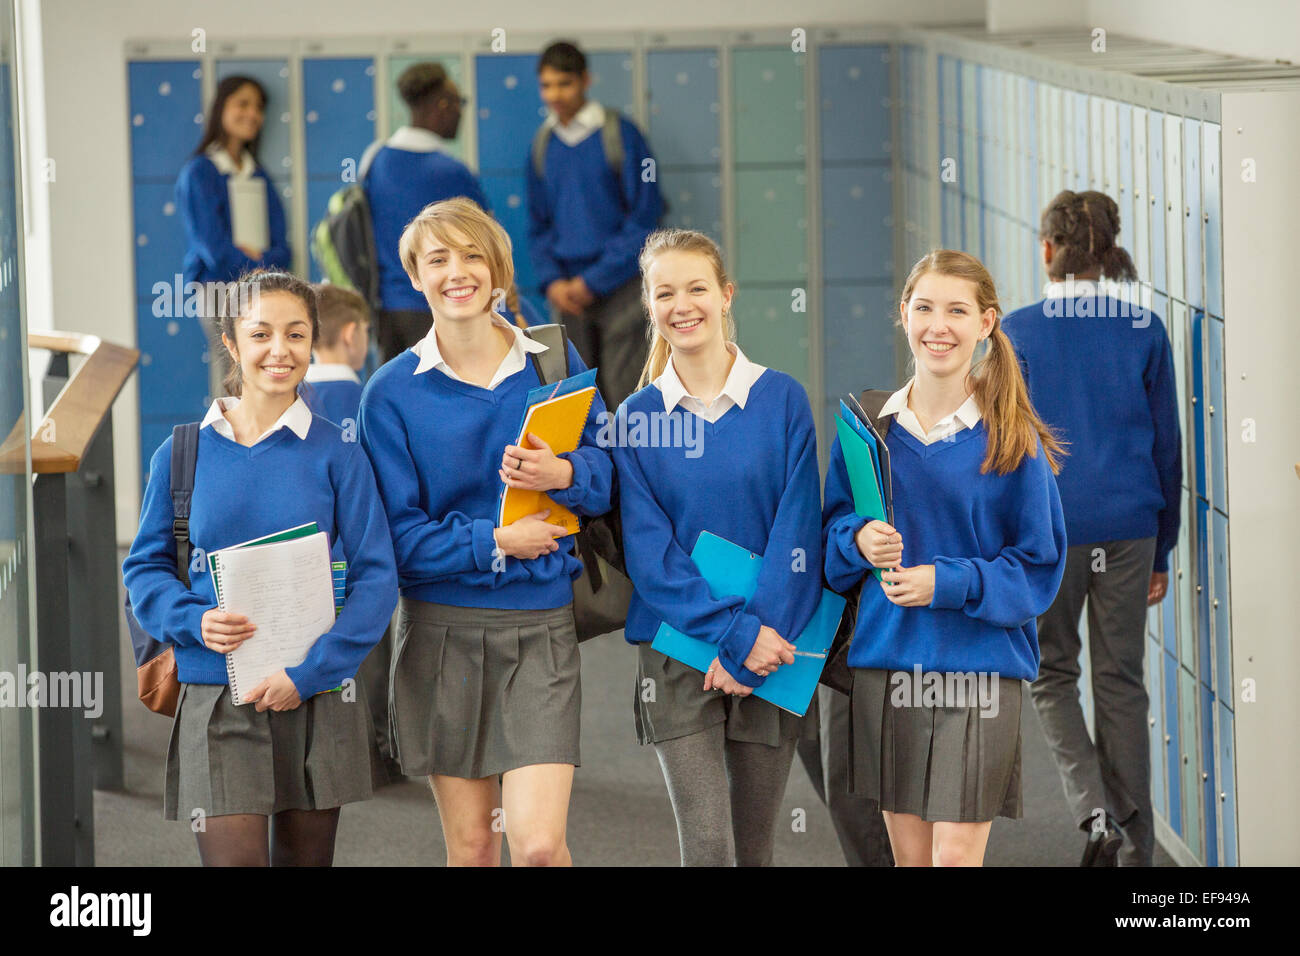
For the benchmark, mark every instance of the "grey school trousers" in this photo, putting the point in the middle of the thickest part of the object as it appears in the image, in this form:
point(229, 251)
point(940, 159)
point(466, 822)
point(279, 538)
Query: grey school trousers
point(1114, 773)
point(611, 336)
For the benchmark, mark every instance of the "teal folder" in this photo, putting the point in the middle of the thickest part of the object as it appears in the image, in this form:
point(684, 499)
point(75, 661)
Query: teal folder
point(730, 569)
point(861, 464)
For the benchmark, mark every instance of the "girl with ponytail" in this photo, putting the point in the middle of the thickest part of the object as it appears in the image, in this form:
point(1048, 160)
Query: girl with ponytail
point(945, 638)
point(1100, 370)
point(751, 479)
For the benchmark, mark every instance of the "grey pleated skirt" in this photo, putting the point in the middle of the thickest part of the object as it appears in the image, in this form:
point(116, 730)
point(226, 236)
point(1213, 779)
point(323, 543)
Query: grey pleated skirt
point(224, 759)
point(940, 763)
point(670, 702)
point(480, 691)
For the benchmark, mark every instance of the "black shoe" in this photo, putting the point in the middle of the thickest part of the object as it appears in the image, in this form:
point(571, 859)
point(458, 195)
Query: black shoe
point(1103, 845)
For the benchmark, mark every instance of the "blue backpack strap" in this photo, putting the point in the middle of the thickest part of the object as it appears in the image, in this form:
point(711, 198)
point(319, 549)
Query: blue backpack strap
point(553, 364)
point(185, 456)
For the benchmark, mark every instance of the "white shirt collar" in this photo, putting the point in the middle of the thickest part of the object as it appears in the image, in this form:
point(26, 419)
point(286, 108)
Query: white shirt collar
point(331, 372)
point(967, 415)
point(226, 166)
point(416, 139)
point(297, 418)
point(735, 389)
point(430, 358)
point(586, 121)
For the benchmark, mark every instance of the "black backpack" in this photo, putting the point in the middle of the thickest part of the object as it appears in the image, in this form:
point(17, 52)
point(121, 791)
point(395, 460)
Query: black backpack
point(836, 674)
point(601, 595)
point(155, 664)
point(343, 244)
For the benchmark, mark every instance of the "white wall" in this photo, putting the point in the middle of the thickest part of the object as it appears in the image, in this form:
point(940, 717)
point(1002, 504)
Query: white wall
point(1261, 29)
point(87, 134)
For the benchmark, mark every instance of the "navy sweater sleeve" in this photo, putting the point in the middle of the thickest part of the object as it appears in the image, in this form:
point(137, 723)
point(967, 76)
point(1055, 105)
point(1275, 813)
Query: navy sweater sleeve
point(163, 605)
point(1020, 581)
point(592, 489)
point(789, 585)
point(201, 195)
point(541, 229)
point(1167, 451)
point(844, 563)
point(371, 594)
point(666, 578)
point(618, 260)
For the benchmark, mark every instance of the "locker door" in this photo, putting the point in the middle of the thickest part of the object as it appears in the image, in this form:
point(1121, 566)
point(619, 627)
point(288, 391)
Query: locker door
point(1140, 221)
point(1218, 417)
point(611, 80)
point(1212, 213)
point(1100, 144)
point(1209, 789)
point(1156, 200)
point(685, 120)
point(1173, 750)
point(1227, 785)
point(773, 226)
point(1192, 212)
point(771, 333)
point(769, 106)
point(1124, 175)
point(855, 103)
point(857, 242)
point(860, 336)
point(1223, 683)
point(274, 150)
point(1186, 648)
point(1082, 138)
point(166, 116)
point(1155, 725)
point(1202, 669)
point(1174, 206)
point(1200, 405)
point(1188, 700)
point(509, 110)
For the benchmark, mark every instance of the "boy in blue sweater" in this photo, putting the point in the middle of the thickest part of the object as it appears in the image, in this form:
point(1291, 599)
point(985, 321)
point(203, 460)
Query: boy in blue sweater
point(265, 463)
point(587, 220)
point(1101, 372)
point(978, 517)
point(403, 175)
point(333, 386)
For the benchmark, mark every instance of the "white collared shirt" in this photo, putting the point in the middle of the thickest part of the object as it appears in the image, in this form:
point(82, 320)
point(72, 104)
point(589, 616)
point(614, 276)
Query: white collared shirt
point(331, 372)
point(412, 139)
point(966, 416)
point(297, 418)
point(430, 358)
point(735, 391)
point(226, 166)
point(585, 122)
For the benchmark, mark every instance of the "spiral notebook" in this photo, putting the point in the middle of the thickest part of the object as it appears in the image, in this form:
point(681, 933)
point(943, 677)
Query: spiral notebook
point(285, 583)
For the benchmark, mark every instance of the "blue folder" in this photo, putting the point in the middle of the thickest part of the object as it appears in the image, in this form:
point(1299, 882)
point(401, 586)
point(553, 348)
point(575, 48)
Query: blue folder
point(730, 569)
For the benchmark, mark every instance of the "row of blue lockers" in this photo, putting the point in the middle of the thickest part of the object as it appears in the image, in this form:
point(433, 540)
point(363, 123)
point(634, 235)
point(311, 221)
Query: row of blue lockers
point(768, 176)
point(1015, 143)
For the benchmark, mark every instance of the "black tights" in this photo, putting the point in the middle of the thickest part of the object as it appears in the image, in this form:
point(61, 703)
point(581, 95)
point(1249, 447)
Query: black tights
point(297, 838)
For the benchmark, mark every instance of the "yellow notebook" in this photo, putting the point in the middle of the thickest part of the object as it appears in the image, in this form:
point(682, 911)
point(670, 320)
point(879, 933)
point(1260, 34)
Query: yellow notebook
point(558, 422)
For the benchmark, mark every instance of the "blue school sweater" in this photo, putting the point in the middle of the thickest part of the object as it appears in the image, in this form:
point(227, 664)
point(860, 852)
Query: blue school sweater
point(997, 543)
point(337, 401)
point(1107, 387)
point(243, 493)
point(753, 482)
point(583, 220)
point(436, 446)
point(399, 183)
point(203, 198)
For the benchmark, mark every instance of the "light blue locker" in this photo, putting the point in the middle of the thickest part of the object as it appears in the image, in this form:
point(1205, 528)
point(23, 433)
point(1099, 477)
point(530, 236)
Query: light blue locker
point(159, 237)
point(969, 125)
point(1124, 173)
point(1227, 785)
point(1176, 323)
point(339, 118)
point(1173, 751)
point(860, 335)
point(1081, 156)
point(1186, 582)
point(855, 103)
point(1188, 702)
point(685, 115)
point(1212, 213)
point(611, 80)
point(1174, 253)
point(509, 111)
point(768, 99)
point(506, 195)
point(1223, 684)
point(274, 151)
point(1098, 145)
point(1200, 404)
point(166, 116)
point(1202, 669)
point(1192, 213)
point(694, 199)
point(1139, 223)
point(857, 239)
point(1209, 792)
point(174, 381)
point(772, 226)
point(1028, 192)
point(1218, 418)
point(1156, 200)
point(1156, 725)
point(771, 333)
point(1169, 613)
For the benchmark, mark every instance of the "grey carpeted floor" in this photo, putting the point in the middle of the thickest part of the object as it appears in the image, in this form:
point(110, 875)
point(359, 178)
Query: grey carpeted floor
point(619, 815)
